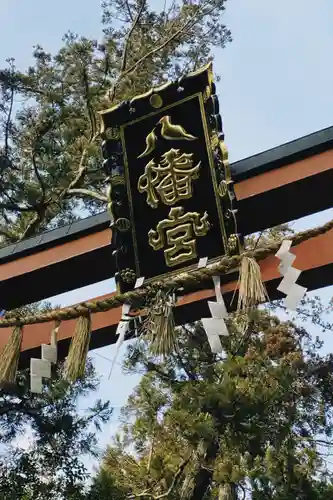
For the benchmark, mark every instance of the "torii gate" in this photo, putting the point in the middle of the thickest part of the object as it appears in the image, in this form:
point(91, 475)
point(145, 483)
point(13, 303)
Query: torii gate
point(279, 185)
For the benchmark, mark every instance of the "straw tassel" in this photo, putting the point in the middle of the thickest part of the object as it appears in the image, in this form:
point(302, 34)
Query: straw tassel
point(252, 290)
point(9, 357)
point(160, 324)
point(75, 363)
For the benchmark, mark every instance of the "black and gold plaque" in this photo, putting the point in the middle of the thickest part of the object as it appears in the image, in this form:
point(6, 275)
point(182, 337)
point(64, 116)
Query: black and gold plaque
point(171, 195)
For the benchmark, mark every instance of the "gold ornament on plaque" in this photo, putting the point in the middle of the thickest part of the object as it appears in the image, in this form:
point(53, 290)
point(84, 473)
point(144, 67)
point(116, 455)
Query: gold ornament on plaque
point(169, 132)
point(170, 180)
point(233, 244)
point(156, 101)
point(223, 188)
point(122, 224)
point(177, 234)
point(128, 275)
point(112, 133)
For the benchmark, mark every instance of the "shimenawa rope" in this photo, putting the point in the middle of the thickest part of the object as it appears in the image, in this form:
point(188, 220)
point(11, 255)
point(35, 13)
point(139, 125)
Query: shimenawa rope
point(226, 264)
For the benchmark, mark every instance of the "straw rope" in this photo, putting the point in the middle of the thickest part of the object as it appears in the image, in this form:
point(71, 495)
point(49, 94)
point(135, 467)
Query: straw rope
point(188, 278)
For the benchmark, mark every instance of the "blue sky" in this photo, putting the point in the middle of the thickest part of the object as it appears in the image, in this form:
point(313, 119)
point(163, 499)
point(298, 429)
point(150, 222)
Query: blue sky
point(276, 85)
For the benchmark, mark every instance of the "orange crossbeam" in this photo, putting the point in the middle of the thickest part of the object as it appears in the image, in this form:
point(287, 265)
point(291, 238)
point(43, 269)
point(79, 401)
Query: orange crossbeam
point(276, 194)
point(313, 254)
point(281, 176)
point(55, 255)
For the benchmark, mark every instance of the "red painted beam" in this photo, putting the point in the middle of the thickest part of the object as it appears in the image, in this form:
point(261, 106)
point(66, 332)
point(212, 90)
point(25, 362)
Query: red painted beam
point(314, 257)
point(266, 198)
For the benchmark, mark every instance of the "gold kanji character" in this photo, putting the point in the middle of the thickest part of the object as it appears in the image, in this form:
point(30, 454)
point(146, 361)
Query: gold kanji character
point(171, 179)
point(178, 233)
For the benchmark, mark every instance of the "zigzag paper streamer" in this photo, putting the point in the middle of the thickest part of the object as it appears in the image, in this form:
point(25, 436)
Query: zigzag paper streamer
point(295, 295)
point(218, 309)
point(40, 368)
point(36, 385)
point(294, 292)
point(215, 326)
point(289, 279)
point(139, 282)
point(122, 329)
point(202, 262)
point(285, 256)
point(212, 329)
point(49, 353)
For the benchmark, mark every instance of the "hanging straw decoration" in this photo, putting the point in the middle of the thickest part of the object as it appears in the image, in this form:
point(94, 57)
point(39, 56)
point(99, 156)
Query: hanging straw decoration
point(159, 325)
point(9, 357)
point(75, 363)
point(251, 289)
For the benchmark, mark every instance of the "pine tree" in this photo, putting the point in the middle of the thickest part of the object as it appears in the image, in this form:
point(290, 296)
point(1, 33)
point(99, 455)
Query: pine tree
point(50, 158)
point(51, 174)
point(253, 423)
point(51, 467)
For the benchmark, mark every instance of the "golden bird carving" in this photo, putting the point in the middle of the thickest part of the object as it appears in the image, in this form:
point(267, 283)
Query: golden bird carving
point(150, 144)
point(171, 132)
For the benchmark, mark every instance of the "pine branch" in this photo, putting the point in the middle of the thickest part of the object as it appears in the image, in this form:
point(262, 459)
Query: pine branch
point(189, 374)
point(82, 168)
point(12, 238)
point(19, 408)
point(128, 37)
point(8, 121)
point(71, 188)
point(31, 227)
point(14, 207)
point(151, 452)
point(91, 114)
point(126, 45)
point(129, 11)
point(88, 193)
point(150, 366)
point(38, 176)
point(156, 49)
point(188, 24)
point(174, 481)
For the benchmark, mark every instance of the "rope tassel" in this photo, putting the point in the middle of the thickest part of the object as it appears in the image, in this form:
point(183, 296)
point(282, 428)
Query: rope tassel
point(252, 290)
point(9, 357)
point(160, 324)
point(75, 363)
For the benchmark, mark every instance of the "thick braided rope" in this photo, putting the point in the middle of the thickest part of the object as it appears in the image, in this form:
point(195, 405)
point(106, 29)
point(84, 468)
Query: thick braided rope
point(193, 277)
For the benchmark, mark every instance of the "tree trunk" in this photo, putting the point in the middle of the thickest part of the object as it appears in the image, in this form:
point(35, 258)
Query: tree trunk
point(204, 476)
point(228, 492)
